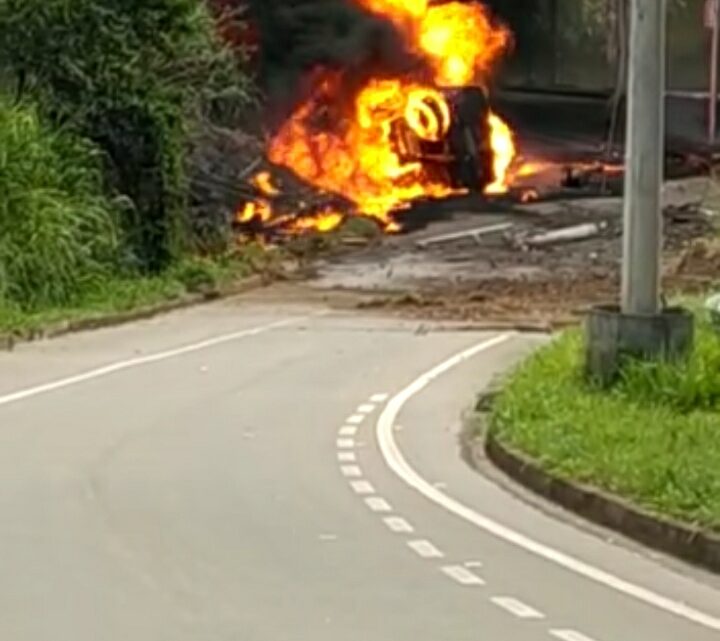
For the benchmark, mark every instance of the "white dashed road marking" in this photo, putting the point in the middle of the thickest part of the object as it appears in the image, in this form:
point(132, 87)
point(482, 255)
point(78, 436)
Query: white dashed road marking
point(346, 443)
point(425, 549)
point(395, 460)
point(348, 430)
point(569, 635)
point(462, 575)
point(398, 524)
point(346, 457)
point(362, 487)
point(365, 408)
point(376, 504)
point(355, 419)
point(473, 564)
point(518, 608)
point(379, 398)
point(351, 471)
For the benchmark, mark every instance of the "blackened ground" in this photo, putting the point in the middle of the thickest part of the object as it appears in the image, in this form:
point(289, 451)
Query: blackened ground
point(498, 279)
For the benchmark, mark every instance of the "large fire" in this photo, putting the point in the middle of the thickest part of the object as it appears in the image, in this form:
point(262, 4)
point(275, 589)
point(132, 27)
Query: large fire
point(347, 144)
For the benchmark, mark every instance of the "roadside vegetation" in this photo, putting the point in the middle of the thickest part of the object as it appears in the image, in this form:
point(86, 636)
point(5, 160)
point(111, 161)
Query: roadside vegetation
point(99, 102)
point(654, 438)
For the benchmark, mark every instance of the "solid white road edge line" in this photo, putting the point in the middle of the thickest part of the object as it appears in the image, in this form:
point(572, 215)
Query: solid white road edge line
point(119, 366)
point(397, 463)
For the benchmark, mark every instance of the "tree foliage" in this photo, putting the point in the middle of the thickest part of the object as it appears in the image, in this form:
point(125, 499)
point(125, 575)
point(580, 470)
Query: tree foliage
point(132, 76)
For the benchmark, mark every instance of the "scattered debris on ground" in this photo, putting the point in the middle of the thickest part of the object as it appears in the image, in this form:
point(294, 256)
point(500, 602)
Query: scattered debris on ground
point(544, 264)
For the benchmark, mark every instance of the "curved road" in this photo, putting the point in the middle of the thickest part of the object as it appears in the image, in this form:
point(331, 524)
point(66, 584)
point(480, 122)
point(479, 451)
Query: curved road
point(261, 473)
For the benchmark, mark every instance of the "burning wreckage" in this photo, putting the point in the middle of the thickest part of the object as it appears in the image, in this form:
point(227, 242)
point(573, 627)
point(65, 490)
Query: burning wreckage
point(372, 144)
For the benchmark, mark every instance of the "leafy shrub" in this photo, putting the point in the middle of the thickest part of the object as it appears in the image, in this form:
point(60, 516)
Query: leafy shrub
point(132, 76)
point(57, 231)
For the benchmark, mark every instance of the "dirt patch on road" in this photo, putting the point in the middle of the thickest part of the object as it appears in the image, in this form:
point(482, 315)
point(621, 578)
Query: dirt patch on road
point(517, 267)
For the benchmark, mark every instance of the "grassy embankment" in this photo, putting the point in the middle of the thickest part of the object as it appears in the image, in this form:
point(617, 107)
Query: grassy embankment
point(654, 438)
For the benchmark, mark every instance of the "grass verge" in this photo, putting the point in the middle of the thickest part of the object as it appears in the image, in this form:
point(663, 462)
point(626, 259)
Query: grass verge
point(653, 439)
point(117, 295)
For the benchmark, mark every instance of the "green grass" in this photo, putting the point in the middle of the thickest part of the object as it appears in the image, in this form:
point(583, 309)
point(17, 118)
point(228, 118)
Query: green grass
point(117, 295)
point(57, 230)
point(654, 438)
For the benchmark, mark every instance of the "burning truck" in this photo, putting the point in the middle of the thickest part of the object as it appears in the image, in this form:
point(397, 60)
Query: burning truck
point(378, 141)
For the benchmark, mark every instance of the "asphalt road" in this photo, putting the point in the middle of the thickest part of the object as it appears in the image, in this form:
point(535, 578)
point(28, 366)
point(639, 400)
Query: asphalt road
point(264, 473)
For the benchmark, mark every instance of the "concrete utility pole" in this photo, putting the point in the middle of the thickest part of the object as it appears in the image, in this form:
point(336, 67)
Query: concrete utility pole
point(644, 158)
point(640, 328)
point(712, 21)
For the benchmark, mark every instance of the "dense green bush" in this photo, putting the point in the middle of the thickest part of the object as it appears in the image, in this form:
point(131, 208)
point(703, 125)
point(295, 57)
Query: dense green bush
point(57, 231)
point(132, 76)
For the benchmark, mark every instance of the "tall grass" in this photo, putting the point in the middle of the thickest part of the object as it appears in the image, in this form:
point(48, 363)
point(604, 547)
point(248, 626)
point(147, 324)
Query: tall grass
point(57, 230)
point(693, 384)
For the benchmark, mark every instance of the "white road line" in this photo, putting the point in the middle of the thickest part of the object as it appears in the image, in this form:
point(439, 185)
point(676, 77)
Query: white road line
point(345, 443)
point(328, 537)
point(351, 471)
point(346, 457)
point(366, 408)
point(139, 361)
point(348, 430)
point(362, 487)
point(569, 635)
point(397, 463)
point(377, 504)
point(518, 608)
point(398, 524)
point(355, 419)
point(473, 564)
point(379, 398)
point(425, 549)
point(462, 575)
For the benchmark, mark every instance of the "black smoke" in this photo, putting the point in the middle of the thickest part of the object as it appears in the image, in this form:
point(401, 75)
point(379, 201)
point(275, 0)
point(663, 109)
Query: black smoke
point(297, 36)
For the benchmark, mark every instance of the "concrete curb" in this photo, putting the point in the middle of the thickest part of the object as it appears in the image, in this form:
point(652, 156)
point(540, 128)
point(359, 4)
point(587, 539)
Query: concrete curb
point(694, 545)
point(8, 341)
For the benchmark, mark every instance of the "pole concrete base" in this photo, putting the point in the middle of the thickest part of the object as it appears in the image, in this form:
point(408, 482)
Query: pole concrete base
point(612, 336)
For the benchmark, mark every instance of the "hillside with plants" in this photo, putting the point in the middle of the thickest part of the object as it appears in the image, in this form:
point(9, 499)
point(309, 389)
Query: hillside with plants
point(100, 104)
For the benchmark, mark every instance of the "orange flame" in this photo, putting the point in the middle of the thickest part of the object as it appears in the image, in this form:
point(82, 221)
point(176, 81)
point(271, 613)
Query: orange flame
point(256, 210)
point(503, 145)
point(427, 114)
point(350, 146)
point(323, 222)
point(263, 181)
point(360, 160)
point(458, 39)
